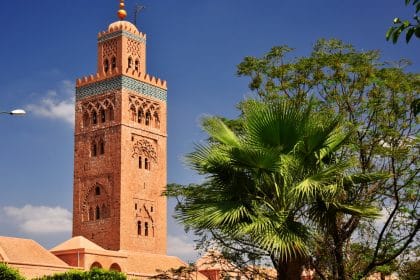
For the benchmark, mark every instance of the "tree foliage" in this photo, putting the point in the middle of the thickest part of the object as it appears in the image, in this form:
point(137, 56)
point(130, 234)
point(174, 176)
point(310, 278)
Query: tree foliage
point(94, 274)
point(380, 100)
point(411, 28)
point(8, 273)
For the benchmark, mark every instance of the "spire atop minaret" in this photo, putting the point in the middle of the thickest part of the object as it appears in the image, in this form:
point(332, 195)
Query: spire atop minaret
point(121, 12)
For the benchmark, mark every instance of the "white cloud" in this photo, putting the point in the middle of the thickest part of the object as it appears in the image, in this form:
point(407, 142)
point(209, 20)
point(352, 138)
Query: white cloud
point(181, 247)
point(40, 219)
point(56, 104)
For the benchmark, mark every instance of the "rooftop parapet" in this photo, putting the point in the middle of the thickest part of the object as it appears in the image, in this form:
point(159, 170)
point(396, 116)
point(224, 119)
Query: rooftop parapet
point(146, 78)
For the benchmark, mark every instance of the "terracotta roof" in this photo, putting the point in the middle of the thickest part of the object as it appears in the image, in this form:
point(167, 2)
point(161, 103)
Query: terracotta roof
point(27, 251)
point(77, 242)
point(151, 264)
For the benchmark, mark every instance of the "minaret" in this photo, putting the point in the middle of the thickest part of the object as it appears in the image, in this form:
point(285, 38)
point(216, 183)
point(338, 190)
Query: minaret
point(120, 147)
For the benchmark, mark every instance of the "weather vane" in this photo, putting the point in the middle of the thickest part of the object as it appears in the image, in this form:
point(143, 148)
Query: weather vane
point(121, 12)
point(137, 10)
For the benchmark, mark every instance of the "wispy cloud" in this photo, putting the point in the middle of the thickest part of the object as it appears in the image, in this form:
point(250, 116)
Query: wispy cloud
point(40, 219)
point(182, 247)
point(56, 104)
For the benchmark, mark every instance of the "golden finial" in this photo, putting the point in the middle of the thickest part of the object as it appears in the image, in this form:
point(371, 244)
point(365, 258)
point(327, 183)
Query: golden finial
point(121, 12)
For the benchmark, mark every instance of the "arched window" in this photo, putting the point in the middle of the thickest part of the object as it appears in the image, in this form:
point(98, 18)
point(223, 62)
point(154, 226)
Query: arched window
point(115, 267)
point(133, 113)
point(140, 116)
point(157, 121)
point(85, 119)
point(106, 65)
point(146, 229)
point(146, 164)
point(101, 147)
point(140, 163)
point(97, 213)
point(103, 115)
point(136, 65)
point(139, 228)
point(111, 113)
point(91, 216)
point(130, 62)
point(94, 149)
point(97, 190)
point(95, 265)
point(94, 117)
point(135, 206)
point(113, 62)
point(148, 117)
point(151, 208)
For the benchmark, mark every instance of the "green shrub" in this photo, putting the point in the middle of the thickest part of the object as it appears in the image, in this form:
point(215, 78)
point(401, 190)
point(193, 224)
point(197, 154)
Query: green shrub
point(8, 273)
point(94, 274)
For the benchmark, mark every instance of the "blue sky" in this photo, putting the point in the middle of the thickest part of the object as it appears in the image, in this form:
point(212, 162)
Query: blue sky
point(193, 44)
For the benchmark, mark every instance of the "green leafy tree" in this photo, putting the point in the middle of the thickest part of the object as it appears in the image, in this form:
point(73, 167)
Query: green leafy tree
point(411, 28)
point(8, 273)
point(262, 181)
point(381, 101)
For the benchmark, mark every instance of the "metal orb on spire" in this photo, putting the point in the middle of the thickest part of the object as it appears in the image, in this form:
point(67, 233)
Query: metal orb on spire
point(121, 12)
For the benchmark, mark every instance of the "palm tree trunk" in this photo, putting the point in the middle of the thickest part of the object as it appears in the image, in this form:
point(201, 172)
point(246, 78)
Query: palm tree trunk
point(290, 269)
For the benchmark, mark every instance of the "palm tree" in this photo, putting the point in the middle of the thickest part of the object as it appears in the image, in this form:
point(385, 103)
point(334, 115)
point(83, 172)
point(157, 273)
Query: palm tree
point(261, 182)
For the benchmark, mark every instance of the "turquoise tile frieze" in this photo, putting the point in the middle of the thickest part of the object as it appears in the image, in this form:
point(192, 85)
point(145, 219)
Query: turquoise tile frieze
point(119, 33)
point(118, 83)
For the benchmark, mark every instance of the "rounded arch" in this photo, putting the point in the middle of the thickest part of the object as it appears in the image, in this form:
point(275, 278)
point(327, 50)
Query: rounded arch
point(95, 265)
point(102, 114)
point(148, 118)
point(115, 267)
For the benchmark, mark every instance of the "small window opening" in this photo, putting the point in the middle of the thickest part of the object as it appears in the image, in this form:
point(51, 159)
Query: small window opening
point(94, 150)
point(146, 229)
point(136, 65)
point(146, 164)
point(151, 209)
point(106, 65)
point(148, 117)
point(130, 62)
point(98, 213)
point(140, 163)
point(113, 62)
point(103, 115)
point(97, 191)
point(139, 228)
point(133, 113)
point(101, 148)
point(135, 206)
point(94, 118)
point(139, 116)
point(157, 122)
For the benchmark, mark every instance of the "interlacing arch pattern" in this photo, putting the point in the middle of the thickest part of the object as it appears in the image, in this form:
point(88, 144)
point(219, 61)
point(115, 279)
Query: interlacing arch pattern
point(109, 54)
point(98, 111)
point(133, 50)
point(144, 148)
point(97, 146)
point(144, 111)
point(96, 204)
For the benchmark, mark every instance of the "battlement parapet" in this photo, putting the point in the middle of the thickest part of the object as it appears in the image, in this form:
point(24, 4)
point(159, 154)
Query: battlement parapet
point(146, 78)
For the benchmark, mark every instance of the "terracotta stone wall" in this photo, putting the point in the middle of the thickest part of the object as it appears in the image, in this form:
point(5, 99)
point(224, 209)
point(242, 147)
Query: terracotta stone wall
point(124, 175)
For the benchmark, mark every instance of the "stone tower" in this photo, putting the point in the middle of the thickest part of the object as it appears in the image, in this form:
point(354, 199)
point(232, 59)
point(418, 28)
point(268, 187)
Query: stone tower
point(120, 147)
